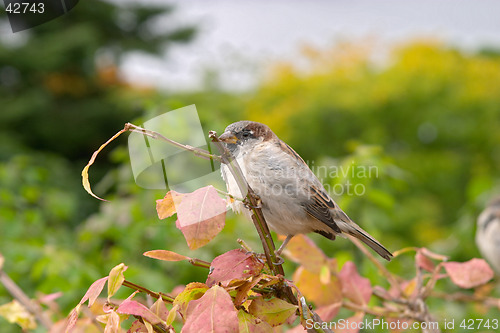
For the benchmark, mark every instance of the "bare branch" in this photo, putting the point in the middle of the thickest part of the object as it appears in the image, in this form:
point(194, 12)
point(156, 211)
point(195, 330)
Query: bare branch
point(22, 298)
point(257, 216)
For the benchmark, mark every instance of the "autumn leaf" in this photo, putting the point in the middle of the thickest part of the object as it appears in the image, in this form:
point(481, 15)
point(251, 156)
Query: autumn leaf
point(91, 295)
point(328, 312)
point(424, 261)
point(356, 288)
point(113, 324)
point(159, 309)
point(166, 207)
point(85, 171)
point(201, 216)
point(116, 279)
point(251, 324)
point(213, 312)
point(233, 265)
point(14, 312)
point(193, 291)
point(469, 274)
point(135, 308)
point(94, 291)
point(314, 290)
point(301, 249)
point(274, 311)
point(165, 255)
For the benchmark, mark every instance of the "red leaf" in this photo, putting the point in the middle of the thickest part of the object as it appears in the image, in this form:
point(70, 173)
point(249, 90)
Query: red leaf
point(328, 312)
point(424, 262)
point(137, 327)
point(356, 288)
point(469, 274)
point(94, 291)
point(213, 312)
point(72, 318)
point(233, 265)
point(165, 255)
point(201, 216)
point(137, 309)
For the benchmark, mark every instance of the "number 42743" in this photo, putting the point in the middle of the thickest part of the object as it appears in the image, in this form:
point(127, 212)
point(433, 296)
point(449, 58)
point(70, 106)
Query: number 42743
point(476, 324)
point(25, 7)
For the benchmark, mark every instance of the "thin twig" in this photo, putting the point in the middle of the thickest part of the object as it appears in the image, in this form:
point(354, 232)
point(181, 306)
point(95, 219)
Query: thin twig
point(199, 263)
point(153, 294)
point(22, 298)
point(257, 215)
point(392, 280)
point(461, 297)
point(155, 135)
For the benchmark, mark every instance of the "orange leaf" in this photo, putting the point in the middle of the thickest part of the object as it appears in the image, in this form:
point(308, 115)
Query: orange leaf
point(165, 255)
point(302, 250)
point(166, 207)
point(314, 290)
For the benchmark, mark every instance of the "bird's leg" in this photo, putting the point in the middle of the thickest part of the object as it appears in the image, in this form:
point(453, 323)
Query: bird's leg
point(282, 247)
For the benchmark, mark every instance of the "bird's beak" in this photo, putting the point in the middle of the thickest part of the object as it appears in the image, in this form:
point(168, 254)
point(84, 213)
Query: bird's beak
point(228, 137)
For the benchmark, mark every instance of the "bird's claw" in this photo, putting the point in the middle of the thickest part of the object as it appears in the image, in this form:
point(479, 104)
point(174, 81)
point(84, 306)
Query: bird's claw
point(280, 260)
point(250, 206)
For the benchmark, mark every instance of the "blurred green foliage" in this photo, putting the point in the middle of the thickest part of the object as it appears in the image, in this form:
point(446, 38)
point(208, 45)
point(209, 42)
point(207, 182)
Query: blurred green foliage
point(427, 119)
point(431, 118)
point(62, 96)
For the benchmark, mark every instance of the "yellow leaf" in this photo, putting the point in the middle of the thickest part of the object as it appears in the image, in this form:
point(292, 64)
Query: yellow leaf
point(85, 171)
point(166, 207)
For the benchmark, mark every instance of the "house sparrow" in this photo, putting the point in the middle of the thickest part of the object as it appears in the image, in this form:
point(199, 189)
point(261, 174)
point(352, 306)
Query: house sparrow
point(488, 233)
point(293, 199)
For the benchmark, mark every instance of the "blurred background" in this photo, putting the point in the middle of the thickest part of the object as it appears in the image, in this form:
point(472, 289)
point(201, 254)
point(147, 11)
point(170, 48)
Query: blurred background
point(412, 88)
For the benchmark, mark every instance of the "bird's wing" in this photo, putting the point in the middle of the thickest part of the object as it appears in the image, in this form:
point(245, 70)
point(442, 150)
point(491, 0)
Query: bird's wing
point(288, 150)
point(318, 203)
point(318, 206)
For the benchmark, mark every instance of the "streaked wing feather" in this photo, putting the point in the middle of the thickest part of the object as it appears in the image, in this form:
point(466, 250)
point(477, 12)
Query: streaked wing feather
point(319, 207)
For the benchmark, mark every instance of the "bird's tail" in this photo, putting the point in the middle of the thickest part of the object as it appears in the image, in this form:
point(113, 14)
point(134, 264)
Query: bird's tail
point(351, 228)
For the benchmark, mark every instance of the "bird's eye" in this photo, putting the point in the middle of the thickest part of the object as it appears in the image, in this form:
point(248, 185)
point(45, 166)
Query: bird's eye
point(245, 134)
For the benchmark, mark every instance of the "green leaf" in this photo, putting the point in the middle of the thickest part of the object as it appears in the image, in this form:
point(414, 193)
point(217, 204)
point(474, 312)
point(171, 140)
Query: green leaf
point(116, 279)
